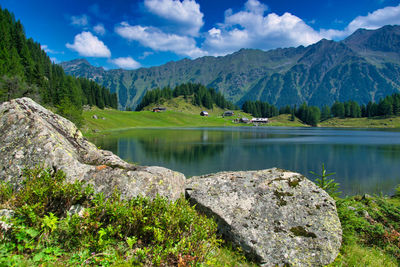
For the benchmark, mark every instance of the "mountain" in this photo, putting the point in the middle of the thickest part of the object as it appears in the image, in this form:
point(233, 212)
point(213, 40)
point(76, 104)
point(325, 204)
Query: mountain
point(364, 67)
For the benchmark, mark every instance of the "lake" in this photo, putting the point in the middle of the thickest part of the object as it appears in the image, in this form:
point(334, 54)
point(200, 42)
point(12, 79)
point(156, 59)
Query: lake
point(364, 160)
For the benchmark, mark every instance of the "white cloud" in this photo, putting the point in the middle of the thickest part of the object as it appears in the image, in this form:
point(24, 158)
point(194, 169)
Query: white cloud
point(99, 29)
point(377, 19)
point(126, 63)
point(249, 28)
point(146, 54)
point(385, 16)
point(54, 60)
point(186, 13)
point(88, 45)
point(255, 7)
point(80, 21)
point(49, 51)
point(159, 40)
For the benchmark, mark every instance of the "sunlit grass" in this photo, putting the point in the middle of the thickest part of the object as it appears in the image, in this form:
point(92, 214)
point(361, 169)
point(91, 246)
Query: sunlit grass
point(358, 255)
point(376, 122)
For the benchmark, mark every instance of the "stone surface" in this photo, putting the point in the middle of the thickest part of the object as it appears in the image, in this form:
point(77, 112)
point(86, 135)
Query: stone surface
point(32, 135)
point(278, 217)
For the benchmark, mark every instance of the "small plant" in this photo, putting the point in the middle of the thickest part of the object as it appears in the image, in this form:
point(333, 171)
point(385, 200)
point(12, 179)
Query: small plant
point(110, 230)
point(329, 185)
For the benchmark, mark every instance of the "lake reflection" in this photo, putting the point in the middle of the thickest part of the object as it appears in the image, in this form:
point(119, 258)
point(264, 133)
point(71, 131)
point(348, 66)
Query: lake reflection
point(365, 161)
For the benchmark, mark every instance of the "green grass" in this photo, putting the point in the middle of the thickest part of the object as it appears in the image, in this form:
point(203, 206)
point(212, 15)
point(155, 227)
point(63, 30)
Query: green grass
point(179, 114)
point(376, 122)
point(284, 120)
point(371, 227)
point(108, 232)
point(360, 255)
point(118, 120)
point(184, 105)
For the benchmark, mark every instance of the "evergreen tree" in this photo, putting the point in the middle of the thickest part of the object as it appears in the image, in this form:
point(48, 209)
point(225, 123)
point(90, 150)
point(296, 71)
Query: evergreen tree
point(325, 113)
point(396, 105)
point(338, 110)
point(384, 108)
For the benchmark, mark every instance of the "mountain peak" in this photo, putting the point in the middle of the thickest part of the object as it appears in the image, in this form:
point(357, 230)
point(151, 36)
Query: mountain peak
point(78, 61)
point(82, 68)
point(385, 39)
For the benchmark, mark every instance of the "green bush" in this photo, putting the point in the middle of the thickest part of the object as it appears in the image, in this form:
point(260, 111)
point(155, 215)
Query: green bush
point(108, 231)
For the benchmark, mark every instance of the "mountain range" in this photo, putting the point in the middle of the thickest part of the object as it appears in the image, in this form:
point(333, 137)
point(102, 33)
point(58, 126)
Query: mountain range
point(363, 67)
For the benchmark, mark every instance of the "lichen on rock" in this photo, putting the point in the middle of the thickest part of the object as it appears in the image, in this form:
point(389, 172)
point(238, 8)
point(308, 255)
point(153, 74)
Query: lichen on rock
point(32, 135)
point(278, 217)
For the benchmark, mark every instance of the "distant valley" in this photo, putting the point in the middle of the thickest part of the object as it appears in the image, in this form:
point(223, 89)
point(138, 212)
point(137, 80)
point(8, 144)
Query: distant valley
point(364, 67)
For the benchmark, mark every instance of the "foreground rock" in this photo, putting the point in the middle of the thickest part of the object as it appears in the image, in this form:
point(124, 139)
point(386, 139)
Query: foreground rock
point(32, 135)
point(277, 217)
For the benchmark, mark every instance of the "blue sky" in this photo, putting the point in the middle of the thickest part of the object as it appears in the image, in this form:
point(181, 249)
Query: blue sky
point(144, 33)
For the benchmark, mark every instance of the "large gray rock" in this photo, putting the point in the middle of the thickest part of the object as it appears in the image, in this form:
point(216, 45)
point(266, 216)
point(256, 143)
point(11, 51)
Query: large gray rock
point(32, 135)
point(278, 217)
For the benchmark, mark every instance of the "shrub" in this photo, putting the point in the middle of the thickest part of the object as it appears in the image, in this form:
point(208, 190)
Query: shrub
point(139, 231)
point(329, 185)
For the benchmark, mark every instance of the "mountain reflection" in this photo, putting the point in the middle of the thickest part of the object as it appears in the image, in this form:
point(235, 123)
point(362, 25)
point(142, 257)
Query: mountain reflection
point(363, 160)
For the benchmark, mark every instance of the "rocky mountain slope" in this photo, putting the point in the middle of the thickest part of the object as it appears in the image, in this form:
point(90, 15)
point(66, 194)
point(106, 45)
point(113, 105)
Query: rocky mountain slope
point(363, 67)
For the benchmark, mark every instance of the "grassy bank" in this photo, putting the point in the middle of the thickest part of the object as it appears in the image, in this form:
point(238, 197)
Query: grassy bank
point(375, 122)
point(188, 116)
point(111, 119)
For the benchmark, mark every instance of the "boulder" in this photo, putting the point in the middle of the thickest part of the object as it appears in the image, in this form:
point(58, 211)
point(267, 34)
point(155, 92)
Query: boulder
point(277, 217)
point(32, 135)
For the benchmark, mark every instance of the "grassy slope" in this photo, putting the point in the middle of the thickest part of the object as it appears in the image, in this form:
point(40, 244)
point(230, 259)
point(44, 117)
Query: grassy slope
point(180, 113)
point(182, 105)
point(376, 122)
point(284, 120)
point(114, 120)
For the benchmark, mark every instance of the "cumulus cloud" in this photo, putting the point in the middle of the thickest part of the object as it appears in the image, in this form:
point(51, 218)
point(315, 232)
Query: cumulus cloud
point(384, 16)
point(186, 14)
point(159, 40)
point(126, 63)
point(99, 29)
point(250, 28)
point(88, 45)
point(80, 21)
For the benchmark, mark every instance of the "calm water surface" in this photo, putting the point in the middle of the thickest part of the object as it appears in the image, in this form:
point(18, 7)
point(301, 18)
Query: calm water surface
point(365, 161)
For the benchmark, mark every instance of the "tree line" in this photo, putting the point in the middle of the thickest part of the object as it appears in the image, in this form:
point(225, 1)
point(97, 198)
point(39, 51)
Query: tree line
point(312, 115)
point(199, 94)
point(26, 70)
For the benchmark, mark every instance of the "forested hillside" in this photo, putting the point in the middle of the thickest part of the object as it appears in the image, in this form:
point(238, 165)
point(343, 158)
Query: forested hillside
point(26, 70)
point(312, 115)
point(200, 95)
